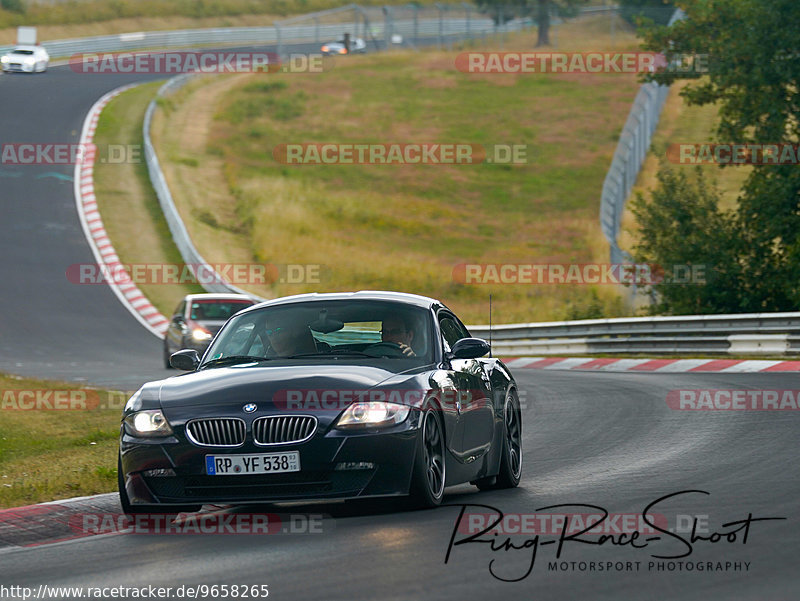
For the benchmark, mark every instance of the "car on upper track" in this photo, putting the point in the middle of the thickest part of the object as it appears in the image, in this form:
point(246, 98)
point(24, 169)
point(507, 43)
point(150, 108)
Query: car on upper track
point(357, 46)
point(26, 59)
point(197, 318)
point(324, 396)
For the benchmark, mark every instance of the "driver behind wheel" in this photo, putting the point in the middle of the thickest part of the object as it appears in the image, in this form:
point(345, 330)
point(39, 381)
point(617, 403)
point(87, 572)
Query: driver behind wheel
point(398, 330)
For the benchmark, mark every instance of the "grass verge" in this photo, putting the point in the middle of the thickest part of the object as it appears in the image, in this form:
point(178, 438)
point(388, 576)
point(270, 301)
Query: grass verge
point(405, 227)
point(131, 213)
point(48, 453)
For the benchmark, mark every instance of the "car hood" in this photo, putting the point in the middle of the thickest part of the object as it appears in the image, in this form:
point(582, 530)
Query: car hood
point(19, 57)
point(261, 384)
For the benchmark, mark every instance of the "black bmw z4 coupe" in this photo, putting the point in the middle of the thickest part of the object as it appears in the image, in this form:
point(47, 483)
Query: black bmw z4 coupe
point(324, 396)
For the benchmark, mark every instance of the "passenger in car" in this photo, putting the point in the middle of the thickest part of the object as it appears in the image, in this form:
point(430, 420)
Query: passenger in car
point(290, 339)
point(398, 330)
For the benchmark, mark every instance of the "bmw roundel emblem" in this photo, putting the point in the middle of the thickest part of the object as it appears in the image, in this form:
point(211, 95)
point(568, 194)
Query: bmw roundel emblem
point(249, 408)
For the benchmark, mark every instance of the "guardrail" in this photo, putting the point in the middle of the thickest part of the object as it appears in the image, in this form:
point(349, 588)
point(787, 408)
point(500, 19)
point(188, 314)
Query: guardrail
point(740, 334)
point(634, 142)
point(211, 281)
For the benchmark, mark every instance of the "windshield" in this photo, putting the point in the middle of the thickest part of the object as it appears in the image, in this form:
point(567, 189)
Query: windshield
point(27, 52)
point(215, 310)
point(329, 329)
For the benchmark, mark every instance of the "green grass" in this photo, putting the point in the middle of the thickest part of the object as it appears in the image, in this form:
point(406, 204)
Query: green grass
point(127, 203)
point(392, 227)
point(406, 227)
point(57, 453)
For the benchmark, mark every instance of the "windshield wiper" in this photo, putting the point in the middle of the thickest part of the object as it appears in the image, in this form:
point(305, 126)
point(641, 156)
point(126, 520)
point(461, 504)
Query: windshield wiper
point(329, 353)
point(233, 359)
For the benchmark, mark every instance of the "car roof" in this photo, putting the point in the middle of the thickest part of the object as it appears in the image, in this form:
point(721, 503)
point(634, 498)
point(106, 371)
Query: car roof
point(223, 296)
point(383, 295)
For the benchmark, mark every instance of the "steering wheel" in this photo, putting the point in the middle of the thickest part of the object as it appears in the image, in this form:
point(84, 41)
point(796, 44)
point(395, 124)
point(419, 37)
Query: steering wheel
point(379, 350)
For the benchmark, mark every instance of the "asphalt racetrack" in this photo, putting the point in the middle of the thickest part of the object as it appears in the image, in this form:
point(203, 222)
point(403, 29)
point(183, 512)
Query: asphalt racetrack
point(608, 440)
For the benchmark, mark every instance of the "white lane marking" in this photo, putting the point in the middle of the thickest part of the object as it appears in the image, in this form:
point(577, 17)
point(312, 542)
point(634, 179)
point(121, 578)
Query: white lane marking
point(682, 365)
point(749, 366)
point(568, 363)
point(522, 361)
point(623, 364)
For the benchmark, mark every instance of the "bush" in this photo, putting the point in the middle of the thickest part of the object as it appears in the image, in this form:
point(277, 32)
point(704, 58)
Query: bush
point(13, 6)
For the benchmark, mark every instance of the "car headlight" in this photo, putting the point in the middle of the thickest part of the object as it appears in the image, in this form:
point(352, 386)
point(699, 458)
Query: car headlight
point(324, 49)
point(4, 60)
point(373, 414)
point(148, 423)
point(199, 334)
point(342, 50)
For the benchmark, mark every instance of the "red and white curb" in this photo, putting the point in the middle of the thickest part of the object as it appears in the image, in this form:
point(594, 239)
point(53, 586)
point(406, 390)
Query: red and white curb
point(653, 365)
point(128, 293)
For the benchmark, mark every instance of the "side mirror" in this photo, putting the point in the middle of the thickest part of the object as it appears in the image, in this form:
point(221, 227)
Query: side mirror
point(470, 348)
point(187, 360)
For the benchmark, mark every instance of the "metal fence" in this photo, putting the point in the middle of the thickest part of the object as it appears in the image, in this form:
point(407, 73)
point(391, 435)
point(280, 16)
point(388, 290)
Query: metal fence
point(381, 27)
point(634, 142)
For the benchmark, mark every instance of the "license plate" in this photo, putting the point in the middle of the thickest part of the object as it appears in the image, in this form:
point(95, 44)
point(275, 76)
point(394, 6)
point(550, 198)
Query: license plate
point(239, 465)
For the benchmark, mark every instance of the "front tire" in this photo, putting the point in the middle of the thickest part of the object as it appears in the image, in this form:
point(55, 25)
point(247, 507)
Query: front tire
point(428, 477)
point(511, 457)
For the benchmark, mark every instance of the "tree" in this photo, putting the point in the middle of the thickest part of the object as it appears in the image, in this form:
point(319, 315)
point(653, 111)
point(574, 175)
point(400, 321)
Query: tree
point(503, 11)
point(14, 6)
point(754, 76)
point(695, 272)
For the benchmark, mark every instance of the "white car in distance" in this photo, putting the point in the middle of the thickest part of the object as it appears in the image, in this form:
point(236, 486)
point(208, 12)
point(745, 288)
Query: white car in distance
point(26, 59)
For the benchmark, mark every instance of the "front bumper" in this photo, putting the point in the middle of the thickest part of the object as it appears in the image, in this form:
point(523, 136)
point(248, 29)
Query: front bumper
point(18, 67)
point(390, 452)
